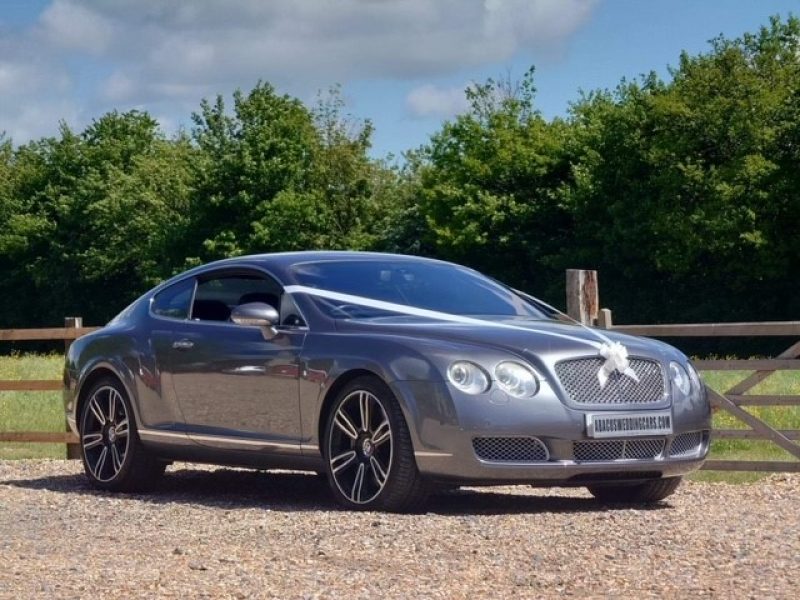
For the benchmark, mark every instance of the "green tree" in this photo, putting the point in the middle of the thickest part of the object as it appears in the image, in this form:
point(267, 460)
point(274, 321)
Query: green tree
point(682, 186)
point(91, 217)
point(489, 189)
point(281, 176)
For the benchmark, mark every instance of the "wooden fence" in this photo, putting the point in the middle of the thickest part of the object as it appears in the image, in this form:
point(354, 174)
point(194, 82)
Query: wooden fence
point(583, 305)
point(73, 329)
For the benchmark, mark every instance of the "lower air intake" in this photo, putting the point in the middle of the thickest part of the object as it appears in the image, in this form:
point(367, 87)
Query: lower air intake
point(510, 449)
point(686, 444)
point(588, 451)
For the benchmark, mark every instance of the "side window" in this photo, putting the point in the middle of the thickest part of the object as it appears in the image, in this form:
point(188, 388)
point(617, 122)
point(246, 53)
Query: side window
point(290, 314)
point(173, 302)
point(217, 297)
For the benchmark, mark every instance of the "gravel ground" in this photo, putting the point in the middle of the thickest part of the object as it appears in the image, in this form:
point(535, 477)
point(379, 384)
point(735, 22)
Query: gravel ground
point(224, 533)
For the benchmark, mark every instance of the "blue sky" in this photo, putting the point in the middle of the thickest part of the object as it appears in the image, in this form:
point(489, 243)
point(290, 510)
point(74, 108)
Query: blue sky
point(402, 64)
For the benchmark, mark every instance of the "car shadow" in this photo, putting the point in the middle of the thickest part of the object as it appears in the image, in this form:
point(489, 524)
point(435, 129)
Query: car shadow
point(296, 492)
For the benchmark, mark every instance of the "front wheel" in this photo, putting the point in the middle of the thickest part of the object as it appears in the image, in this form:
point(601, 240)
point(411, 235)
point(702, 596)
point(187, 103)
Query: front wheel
point(368, 451)
point(638, 493)
point(113, 457)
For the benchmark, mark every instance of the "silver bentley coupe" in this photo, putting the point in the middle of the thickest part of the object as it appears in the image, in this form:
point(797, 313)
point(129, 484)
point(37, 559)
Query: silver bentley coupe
point(391, 375)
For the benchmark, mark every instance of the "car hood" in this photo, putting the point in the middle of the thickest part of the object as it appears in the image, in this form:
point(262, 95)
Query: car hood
point(537, 337)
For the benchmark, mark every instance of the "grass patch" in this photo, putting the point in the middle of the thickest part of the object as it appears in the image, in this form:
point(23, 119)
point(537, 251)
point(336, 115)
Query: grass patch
point(43, 411)
point(31, 411)
point(780, 417)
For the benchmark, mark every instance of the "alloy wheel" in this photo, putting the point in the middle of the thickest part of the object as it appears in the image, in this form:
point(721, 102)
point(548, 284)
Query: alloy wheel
point(105, 433)
point(360, 447)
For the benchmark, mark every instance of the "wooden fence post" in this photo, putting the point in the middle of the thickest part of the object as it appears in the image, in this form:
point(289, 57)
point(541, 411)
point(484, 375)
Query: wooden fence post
point(73, 450)
point(582, 296)
point(604, 319)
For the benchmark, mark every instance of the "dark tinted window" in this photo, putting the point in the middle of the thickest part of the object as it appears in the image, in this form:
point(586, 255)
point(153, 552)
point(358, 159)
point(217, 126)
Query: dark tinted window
point(173, 302)
point(216, 297)
point(429, 285)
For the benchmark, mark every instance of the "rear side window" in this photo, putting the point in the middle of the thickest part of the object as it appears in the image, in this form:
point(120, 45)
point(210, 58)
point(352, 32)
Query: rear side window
point(174, 301)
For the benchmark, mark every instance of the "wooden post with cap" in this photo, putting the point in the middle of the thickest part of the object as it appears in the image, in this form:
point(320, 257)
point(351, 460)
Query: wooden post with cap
point(605, 319)
point(73, 450)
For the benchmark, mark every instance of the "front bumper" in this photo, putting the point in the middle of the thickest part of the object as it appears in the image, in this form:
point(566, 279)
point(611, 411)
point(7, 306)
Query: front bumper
point(446, 424)
point(464, 466)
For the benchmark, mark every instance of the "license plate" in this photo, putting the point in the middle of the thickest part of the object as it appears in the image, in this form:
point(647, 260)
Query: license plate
point(627, 425)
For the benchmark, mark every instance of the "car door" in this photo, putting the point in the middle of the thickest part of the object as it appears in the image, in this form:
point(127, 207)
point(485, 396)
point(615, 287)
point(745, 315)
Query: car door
point(236, 389)
point(160, 409)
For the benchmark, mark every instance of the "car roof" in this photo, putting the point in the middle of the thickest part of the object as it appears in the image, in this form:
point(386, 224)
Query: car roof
point(287, 259)
point(280, 263)
point(315, 255)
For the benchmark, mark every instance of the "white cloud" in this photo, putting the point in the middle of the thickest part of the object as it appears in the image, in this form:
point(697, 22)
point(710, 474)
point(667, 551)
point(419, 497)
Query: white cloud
point(12, 77)
point(37, 118)
point(118, 86)
point(70, 25)
point(34, 91)
point(153, 54)
point(172, 48)
point(432, 101)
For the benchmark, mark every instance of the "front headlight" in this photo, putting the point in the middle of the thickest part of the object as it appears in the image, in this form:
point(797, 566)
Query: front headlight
point(516, 380)
point(468, 377)
point(694, 378)
point(680, 378)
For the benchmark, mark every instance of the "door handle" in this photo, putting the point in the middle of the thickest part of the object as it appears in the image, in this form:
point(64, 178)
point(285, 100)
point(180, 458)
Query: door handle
point(183, 345)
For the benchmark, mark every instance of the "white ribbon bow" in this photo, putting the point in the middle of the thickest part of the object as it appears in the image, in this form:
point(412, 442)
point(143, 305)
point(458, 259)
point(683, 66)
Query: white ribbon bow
point(616, 356)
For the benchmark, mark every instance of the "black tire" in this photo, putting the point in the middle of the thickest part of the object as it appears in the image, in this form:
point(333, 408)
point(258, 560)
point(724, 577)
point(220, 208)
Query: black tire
point(108, 429)
point(403, 488)
point(648, 492)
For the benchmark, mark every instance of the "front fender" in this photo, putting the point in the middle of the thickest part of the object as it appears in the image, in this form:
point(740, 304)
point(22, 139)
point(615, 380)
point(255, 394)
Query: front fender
point(331, 359)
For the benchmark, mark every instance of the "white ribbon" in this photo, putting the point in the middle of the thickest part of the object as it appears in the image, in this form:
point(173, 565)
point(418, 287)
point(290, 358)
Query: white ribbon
point(616, 356)
point(414, 311)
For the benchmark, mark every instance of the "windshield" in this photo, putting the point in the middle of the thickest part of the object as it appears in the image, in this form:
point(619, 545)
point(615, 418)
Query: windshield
point(428, 285)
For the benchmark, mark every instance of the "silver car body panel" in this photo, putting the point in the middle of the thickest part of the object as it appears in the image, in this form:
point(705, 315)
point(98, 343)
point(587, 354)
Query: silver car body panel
point(236, 398)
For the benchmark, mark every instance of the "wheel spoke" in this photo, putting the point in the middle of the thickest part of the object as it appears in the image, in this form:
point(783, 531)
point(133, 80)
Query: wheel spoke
point(363, 404)
point(355, 495)
point(382, 433)
point(101, 462)
point(344, 423)
point(340, 461)
point(117, 461)
point(112, 404)
point(91, 440)
point(122, 428)
point(96, 410)
point(378, 472)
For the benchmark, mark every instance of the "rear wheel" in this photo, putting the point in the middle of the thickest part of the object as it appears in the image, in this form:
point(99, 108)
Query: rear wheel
point(369, 457)
point(113, 456)
point(638, 493)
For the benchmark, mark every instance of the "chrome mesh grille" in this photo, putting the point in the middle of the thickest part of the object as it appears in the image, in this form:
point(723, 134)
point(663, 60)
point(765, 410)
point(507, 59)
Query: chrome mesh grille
point(510, 449)
point(579, 378)
point(588, 451)
point(686, 444)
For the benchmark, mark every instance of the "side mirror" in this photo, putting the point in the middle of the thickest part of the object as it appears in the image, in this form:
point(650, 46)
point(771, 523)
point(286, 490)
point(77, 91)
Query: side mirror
point(257, 314)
